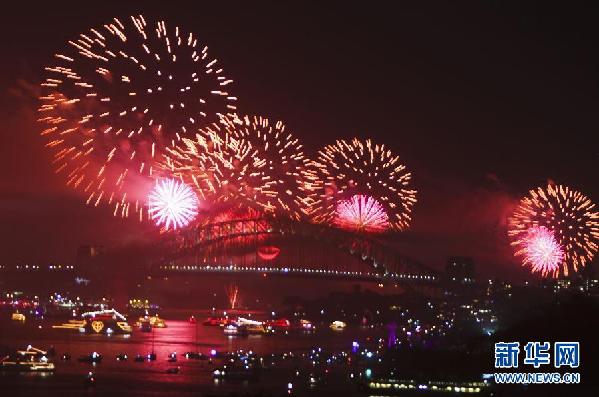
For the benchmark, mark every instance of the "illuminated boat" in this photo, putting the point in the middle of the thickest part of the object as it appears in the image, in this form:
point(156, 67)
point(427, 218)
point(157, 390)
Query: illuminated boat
point(251, 326)
point(235, 330)
point(16, 316)
point(154, 321)
point(280, 323)
point(145, 326)
point(306, 325)
point(215, 321)
point(106, 321)
point(99, 322)
point(157, 322)
point(338, 325)
point(30, 360)
point(255, 329)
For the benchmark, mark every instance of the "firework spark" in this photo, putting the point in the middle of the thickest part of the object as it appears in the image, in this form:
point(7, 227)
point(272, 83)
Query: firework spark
point(361, 213)
point(232, 291)
point(566, 214)
point(248, 161)
point(118, 95)
point(542, 251)
point(223, 168)
point(285, 172)
point(347, 169)
point(172, 204)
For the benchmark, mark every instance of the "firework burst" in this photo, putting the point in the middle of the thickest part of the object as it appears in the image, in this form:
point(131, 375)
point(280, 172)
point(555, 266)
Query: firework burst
point(283, 168)
point(568, 217)
point(541, 251)
point(349, 170)
point(223, 168)
point(172, 204)
point(118, 95)
point(361, 213)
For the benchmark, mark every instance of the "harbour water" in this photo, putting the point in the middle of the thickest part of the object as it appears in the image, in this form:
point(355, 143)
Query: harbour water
point(282, 351)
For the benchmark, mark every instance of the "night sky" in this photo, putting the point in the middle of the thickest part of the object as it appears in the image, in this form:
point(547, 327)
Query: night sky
point(482, 101)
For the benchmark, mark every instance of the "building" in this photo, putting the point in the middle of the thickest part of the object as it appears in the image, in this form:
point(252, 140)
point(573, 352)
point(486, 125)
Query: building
point(87, 253)
point(460, 269)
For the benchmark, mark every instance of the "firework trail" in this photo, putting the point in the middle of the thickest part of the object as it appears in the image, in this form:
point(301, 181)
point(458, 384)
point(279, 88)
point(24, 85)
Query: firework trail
point(172, 204)
point(568, 216)
point(232, 291)
point(117, 96)
point(349, 170)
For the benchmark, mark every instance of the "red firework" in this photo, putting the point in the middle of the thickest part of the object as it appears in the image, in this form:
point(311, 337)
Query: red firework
point(246, 161)
point(279, 162)
point(362, 169)
point(224, 169)
point(117, 96)
point(567, 215)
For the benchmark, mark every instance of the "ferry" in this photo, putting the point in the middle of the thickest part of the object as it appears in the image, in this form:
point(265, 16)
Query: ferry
point(99, 322)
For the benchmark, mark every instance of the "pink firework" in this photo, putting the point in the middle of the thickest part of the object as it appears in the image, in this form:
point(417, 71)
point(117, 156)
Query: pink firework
point(172, 204)
point(542, 251)
point(362, 213)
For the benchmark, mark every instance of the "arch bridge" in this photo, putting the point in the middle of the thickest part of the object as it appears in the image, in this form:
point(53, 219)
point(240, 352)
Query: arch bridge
point(273, 246)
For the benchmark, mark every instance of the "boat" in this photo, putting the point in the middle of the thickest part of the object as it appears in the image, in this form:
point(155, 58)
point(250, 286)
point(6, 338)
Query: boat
point(255, 329)
point(306, 325)
point(280, 323)
point(238, 372)
point(16, 316)
point(155, 321)
point(251, 326)
point(30, 360)
point(235, 330)
point(102, 321)
point(215, 321)
point(90, 380)
point(338, 325)
point(92, 358)
point(145, 326)
point(195, 356)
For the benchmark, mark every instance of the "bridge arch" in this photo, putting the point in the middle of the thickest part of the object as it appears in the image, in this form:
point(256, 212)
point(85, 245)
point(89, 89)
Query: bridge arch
point(292, 247)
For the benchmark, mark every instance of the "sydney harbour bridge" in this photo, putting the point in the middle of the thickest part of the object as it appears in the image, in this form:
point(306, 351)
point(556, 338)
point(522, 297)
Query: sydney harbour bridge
point(282, 246)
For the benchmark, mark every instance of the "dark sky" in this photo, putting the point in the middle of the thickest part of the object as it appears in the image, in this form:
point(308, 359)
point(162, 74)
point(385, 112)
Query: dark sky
point(482, 100)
